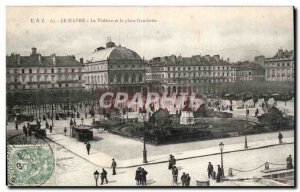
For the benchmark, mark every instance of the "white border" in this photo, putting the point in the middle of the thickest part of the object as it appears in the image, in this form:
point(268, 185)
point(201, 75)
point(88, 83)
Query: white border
point(112, 3)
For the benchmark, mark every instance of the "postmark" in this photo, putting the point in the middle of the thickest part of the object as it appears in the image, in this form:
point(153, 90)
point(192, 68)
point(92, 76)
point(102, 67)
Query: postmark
point(30, 165)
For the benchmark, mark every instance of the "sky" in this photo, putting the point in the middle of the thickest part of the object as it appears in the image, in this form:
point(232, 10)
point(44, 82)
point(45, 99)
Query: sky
point(237, 33)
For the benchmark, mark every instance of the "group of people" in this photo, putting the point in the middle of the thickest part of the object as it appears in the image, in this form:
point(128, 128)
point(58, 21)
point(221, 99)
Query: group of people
point(103, 174)
point(141, 176)
point(212, 174)
point(185, 178)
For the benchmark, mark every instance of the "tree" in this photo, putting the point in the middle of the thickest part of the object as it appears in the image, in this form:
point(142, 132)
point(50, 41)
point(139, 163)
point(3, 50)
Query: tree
point(274, 119)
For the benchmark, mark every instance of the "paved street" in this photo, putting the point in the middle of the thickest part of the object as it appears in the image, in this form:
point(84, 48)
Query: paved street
point(72, 166)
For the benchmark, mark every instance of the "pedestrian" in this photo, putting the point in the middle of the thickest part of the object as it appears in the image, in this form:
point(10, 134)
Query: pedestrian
point(28, 124)
point(280, 138)
point(183, 179)
point(188, 180)
point(47, 124)
point(143, 174)
point(103, 176)
point(86, 115)
point(219, 175)
point(88, 147)
point(51, 128)
point(17, 127)
point(170, 162)
point(71, 122)
point(173, 160)
point(138, 176)
point(210, 169)
point(289, 162)
point(25, 130)
point(114, 165)
point(65, 131)
point(175, 174)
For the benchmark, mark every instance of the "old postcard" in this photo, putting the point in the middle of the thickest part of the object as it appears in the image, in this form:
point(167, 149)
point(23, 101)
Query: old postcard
point(150, 96)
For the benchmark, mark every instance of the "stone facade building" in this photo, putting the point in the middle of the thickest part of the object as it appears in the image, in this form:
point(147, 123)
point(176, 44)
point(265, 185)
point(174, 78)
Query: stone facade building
point(198, 74)
point(280, 68)
point(249, 71)
point(37, 72)
point(115, 68)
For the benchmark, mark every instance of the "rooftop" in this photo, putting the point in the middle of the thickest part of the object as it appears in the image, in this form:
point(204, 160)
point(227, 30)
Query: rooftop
point(36, 60)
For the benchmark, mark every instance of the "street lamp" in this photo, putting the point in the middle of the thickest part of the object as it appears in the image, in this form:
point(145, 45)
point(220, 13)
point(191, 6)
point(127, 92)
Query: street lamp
point(96, 176)
point(144, 113)
point(221, 145)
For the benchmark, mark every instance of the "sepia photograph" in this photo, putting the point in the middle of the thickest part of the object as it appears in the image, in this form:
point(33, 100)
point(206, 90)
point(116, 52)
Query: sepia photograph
point(150, 96)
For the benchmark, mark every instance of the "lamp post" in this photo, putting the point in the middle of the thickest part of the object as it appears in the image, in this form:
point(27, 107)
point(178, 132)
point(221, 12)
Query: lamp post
point(144, 113)
point(246, 143)
point(221, 145)
point(52, 107)
point(96, 176)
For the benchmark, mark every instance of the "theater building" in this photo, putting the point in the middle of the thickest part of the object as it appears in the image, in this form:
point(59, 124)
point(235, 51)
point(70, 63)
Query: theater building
point(114, 68)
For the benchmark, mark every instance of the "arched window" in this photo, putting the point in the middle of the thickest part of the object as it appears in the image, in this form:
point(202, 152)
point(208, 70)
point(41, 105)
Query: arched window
point(126, 80)
point(141, 77)
point(133, 78)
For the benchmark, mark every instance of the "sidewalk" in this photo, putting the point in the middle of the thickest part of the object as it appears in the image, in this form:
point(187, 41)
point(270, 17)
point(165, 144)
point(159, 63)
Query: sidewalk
point(101, 159)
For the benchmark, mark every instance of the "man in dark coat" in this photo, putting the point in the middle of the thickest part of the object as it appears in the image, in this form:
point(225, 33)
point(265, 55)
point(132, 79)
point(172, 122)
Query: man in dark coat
point(188, 180)
point(47, 124)
point(138, 176)
point(17, 127)
point(113, 166)
point(170, 162)
point(51, 128)
point(103, 176)
point(175, 174)
point(289, 162)
point(143, 174)
point(280, 138)
point(219, 175)
point(88, 147)
point(183, 179)
point(25, 130)
point(210, 169)
point(173, 160)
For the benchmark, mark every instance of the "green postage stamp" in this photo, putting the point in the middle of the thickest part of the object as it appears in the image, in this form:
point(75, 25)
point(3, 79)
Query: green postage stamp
point(30, 165)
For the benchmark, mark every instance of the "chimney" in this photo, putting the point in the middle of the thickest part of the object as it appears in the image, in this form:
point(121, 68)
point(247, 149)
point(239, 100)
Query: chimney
point(81, 60)
point(40, 58)
point(53, 57)
point(18, 59)
point(207, 57)
point(280, 53)
point(217, 57)
point(33, 51)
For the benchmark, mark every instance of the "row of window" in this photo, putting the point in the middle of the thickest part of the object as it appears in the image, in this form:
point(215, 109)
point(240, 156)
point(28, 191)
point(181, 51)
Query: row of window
point(197, 68)
point(282, 64)
point(45, 70)
point(42, 86)
point(201, 81)
point(37, 78)
point(280, 75)
point(121, 66)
